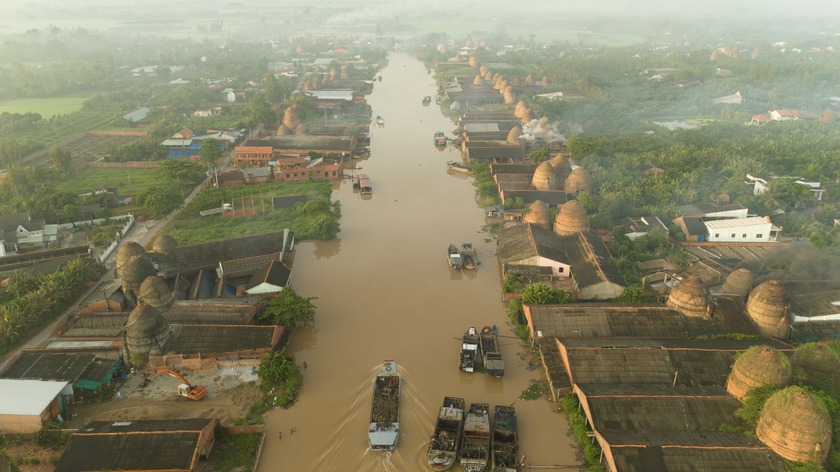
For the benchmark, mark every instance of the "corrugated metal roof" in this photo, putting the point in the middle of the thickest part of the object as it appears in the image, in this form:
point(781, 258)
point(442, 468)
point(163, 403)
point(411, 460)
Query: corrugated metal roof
point(27, 397)
point(736, 222)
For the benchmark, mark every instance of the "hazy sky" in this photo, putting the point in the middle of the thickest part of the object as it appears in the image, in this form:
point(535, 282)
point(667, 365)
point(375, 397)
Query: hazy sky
point(542, 17)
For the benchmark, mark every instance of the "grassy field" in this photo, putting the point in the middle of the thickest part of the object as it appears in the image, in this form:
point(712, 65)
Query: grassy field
point(126, 181)
point(46, 107)
point(254, 213)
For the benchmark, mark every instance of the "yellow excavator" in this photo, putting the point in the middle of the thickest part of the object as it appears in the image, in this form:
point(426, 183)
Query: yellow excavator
point(185, 389)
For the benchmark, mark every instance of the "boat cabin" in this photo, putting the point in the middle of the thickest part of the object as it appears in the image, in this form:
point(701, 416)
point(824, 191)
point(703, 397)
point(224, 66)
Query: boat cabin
point(364, 185)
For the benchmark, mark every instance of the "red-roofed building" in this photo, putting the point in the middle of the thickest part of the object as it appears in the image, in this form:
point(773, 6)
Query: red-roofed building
point(759, 120)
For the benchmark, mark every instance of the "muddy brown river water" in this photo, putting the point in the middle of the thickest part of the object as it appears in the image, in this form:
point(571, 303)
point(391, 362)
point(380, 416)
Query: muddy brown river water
point(385, 291)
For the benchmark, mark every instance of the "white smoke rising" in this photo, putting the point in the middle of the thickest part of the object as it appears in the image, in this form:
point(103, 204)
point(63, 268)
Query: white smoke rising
point(543, 130)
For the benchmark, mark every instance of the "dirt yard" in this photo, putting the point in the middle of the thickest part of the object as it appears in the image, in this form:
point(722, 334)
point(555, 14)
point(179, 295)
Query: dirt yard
point(230, 394)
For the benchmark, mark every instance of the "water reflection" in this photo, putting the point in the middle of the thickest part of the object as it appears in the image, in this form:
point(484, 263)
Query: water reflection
point(327, 249)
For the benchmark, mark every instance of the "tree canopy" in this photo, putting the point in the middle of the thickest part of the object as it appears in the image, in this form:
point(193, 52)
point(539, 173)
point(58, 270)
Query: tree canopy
point(288, 308)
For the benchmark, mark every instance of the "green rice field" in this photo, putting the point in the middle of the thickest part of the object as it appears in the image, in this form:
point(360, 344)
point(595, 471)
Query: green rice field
point(46, 107)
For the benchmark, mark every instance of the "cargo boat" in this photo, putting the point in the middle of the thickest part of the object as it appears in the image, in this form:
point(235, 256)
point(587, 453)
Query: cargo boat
point(384, 431)
point(505, 440)
point(469, 350)
point(490, 354)
point(475, 445)
point(445, 442)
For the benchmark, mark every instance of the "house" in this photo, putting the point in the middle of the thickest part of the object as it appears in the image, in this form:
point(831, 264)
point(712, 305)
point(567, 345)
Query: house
point(139, 114)
point(146, 445)
point(760, 185)
point(742, 230)
point(759, 120)
point(582, 258)
point(28, 404)
point(532, 249)
point(331, 95)
point(784, 115)
point(643, 225)
point(301, 169)
point(251, 156)
point(19, 232)
point(107, 297)
point(561, 96)
point(272, 278)
point(185, 144)
point(649, 169)
point(734, 99)
point(711, 210)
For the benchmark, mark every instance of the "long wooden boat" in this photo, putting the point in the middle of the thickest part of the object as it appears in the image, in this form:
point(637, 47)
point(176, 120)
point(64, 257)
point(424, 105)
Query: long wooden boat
point(490, 354)
point(469, 350)
point(384, 431)
point(475, 447)
point(454, 166)
point(505, 440)
point(453, 257)
point(445, 442)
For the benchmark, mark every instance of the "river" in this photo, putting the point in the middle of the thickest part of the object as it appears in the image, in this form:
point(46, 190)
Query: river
point(384, 291)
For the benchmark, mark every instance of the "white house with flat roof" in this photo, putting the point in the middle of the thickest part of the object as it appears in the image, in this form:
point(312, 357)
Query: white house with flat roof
point(753, 229)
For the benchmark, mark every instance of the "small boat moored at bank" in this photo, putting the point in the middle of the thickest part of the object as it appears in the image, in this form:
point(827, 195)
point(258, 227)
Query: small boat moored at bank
point(384, 430)
point(445, 442)
point(427, 100)
point(455, 166)
point(365, 187)
point(380, 121)
point(453, 256)
point(475, 446)
point(440, 138)
point(468, 256)
point(469, 350)
point(505, 440)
